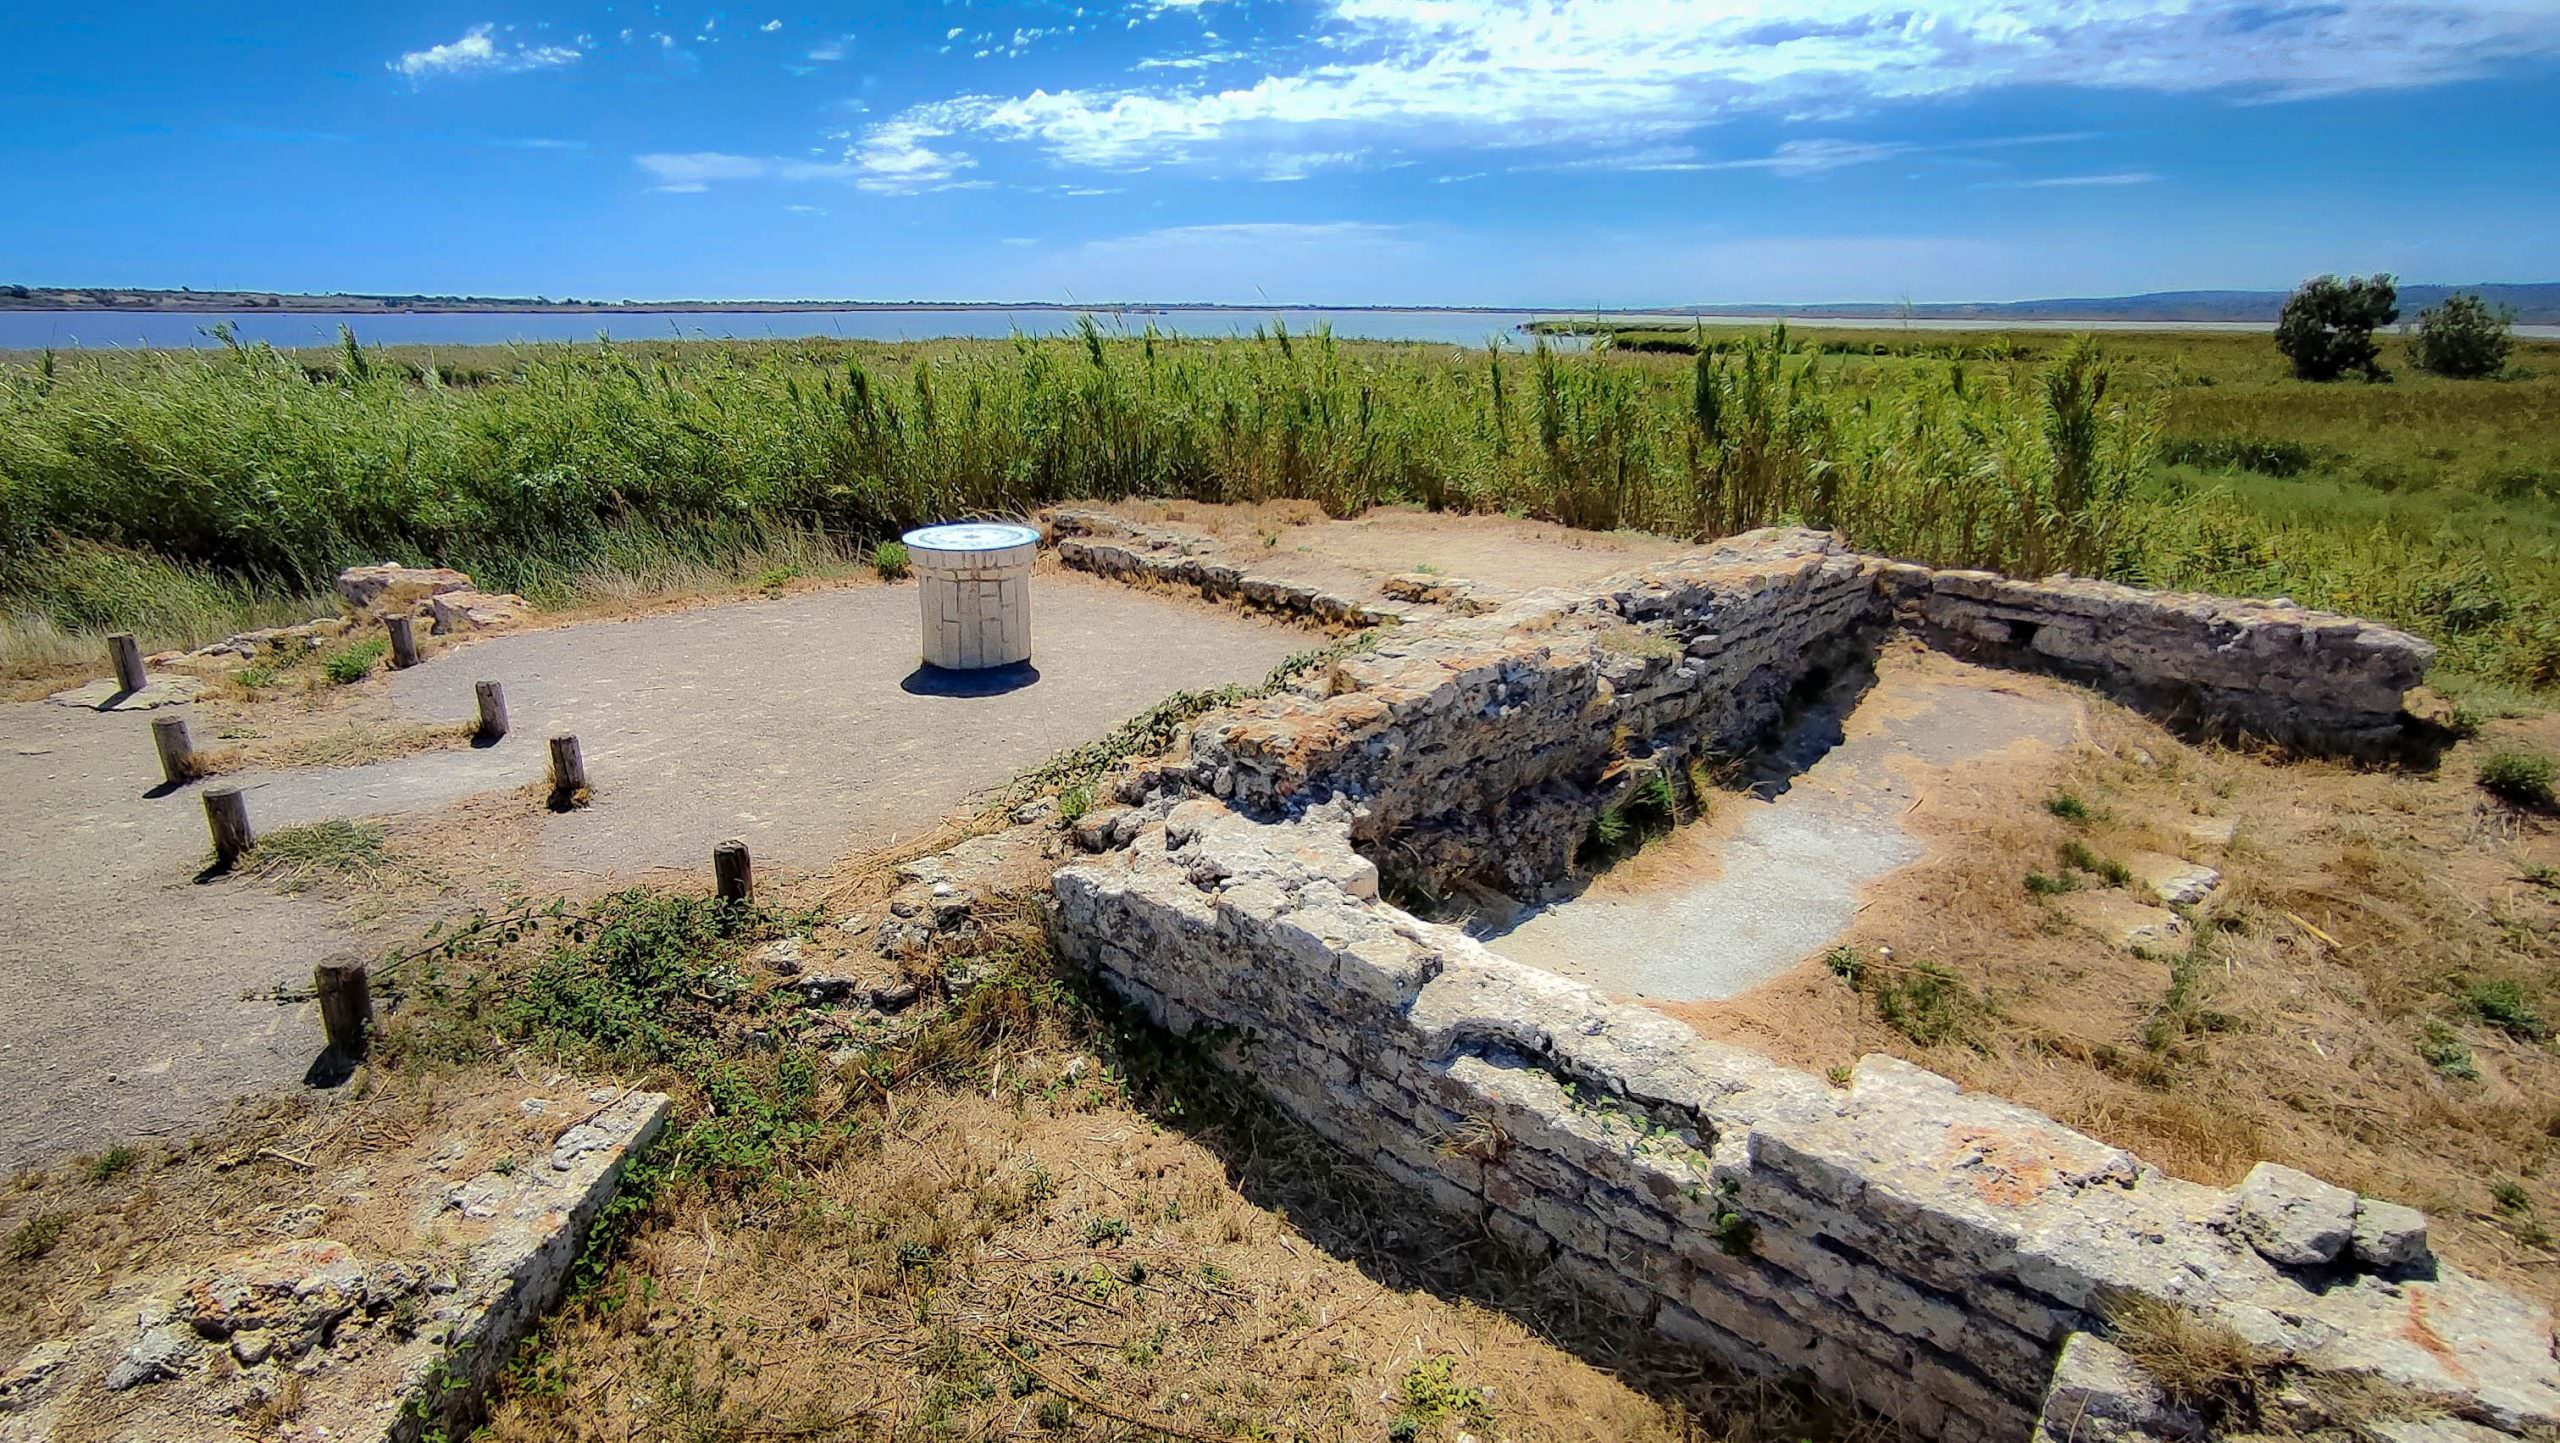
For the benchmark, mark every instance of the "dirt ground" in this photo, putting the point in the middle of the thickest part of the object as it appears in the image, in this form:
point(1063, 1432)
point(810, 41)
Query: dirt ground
point(1776, 871)
point(1296, 541)
point(2321, 1013)
point(795, 723)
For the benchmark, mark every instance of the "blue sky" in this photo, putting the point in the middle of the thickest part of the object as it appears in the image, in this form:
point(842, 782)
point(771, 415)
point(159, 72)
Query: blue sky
point(1551, 152)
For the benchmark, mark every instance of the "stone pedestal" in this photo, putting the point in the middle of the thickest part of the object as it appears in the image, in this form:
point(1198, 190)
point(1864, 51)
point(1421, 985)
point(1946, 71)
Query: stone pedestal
point(975, 580)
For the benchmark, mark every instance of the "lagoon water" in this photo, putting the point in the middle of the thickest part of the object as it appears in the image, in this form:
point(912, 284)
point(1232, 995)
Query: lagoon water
point(34, 330)
point(31, 330)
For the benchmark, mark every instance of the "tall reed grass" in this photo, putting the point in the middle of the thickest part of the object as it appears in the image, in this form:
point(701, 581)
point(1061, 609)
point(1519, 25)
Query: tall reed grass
point(161, 491)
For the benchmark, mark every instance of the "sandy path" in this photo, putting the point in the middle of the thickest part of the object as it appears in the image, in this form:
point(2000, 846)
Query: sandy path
point(795, 723)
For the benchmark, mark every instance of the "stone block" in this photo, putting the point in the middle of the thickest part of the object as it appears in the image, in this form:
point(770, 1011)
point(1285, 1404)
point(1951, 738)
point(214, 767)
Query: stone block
point(2293, 1219)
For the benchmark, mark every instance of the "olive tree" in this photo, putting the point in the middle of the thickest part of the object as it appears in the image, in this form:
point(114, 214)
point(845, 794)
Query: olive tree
point(2327, 326)
point(2465, 336)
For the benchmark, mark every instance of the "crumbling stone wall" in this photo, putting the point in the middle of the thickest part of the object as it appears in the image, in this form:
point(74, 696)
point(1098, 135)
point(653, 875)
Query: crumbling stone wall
point(2310, 679)
point(1924, 1250)
point(1947, 1258)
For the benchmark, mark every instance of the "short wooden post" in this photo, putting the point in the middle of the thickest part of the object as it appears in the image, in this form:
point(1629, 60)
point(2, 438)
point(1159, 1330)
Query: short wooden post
point(404, 641)
point(226, 811)
point(177, 754)
point(732, 873)
point(127, 655)
point(568, 769)
point(346, 1005)
point(492, 699)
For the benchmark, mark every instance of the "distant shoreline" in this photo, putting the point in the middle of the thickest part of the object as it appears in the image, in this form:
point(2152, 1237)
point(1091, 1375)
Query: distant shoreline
point(2535, 304)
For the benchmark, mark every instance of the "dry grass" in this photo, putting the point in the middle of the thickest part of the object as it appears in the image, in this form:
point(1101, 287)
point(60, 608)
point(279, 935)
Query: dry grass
point(348, 745)
point(278, 1166)
point(2363, 917)
point(1036, 1254)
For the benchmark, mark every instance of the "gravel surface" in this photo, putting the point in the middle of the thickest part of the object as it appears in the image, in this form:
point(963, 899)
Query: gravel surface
point(799, 724)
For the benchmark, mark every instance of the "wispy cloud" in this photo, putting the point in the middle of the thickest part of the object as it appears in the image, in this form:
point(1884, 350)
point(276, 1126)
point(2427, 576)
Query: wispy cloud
point(533, 142)
point(1530, 74)
point(2064, 182)
point(480, 52)
point(899, 158)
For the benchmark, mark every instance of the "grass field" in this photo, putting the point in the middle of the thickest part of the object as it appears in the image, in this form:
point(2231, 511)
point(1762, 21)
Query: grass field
point(187, 494)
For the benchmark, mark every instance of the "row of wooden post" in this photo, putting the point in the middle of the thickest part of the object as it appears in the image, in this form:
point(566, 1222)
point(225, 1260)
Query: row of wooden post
point(342, 988)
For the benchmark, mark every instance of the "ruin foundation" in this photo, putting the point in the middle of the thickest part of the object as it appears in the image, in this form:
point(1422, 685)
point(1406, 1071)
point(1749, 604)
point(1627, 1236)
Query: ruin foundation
point(1949, 1259)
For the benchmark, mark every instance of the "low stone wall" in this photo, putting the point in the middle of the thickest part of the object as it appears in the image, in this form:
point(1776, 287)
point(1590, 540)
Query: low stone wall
point(375, 1346)
point(1928, 1252)
point(1948, 1259)
point(2310, 679)
point(1105, 545)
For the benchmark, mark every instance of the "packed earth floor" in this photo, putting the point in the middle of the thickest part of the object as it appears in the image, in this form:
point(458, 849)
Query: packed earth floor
point(130, 989)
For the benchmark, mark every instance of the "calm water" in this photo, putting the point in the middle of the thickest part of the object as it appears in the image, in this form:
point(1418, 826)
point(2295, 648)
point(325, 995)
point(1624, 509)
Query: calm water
point(32, 330)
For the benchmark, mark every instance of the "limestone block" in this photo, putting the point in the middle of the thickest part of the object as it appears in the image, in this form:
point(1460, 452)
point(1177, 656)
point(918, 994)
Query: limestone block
point(390, 589)
point(2292, 1218)
point(469, 610)
point(2099, 1396)
point(2136, 926)
point(2173, 881)
point(2388, 1235)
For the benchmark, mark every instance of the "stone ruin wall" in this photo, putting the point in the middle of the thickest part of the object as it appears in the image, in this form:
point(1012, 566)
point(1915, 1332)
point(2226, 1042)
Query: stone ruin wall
point(1946, 1258)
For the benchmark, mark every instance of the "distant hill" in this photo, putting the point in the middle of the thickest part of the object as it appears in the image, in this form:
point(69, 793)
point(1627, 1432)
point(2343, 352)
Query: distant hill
point(2536, 304)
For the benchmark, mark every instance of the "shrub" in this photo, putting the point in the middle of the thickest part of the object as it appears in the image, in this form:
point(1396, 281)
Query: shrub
point(2067, 806)
point(2465, 337)
point(2327, 326)
point(889, 558)
point(2519, 775)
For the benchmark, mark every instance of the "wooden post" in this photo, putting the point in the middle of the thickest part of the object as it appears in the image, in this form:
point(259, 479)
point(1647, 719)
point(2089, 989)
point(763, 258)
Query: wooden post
point(127, 655)
point(493, 710)
point(346, 1006)
point(404, 641)
point(732, 873)
point(226, 811)
point(177, 754)
point(568, 770)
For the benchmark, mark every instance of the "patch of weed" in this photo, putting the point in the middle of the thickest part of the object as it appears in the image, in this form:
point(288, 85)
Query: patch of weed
point(2503, 1005)
point(2041, 884)
point(2068, 807)
point(890, 560)
point(36, 1236)
point(1645, 813)
point(2443, 1049)
point(2077, 855)
point(2519, 775)
point(2182, 1015)
point(351, 664)
point(1927, 1004)
point(1430, 1394)
point(112, 1164)
point(1846, 964)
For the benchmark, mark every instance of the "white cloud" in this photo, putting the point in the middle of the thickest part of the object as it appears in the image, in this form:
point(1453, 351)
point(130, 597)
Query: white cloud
point(1623, 73)
point(478, 52)
point(2052, 182)
point(692, 172)
point(830, 51)
point(770, 26)
point(899, 157)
